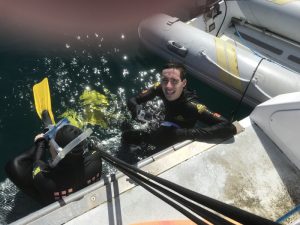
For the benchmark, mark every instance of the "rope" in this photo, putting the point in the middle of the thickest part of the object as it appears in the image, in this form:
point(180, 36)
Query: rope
point(287, 215)
point(234, 112)
point(232, 212)
point(243, 41)
point(146, 184)
point(223, 18)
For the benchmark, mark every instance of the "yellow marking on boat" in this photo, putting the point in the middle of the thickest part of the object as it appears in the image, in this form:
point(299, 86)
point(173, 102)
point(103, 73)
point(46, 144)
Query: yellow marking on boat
point(232, 59)
point(220, 50)
point(282, 2)
point(227, 59)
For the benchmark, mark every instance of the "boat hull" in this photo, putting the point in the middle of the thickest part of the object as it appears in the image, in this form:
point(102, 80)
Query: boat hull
point(221, 63)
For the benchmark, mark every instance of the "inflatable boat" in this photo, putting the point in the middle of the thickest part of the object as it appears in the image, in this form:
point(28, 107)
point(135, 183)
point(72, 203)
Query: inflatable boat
point(247, 49)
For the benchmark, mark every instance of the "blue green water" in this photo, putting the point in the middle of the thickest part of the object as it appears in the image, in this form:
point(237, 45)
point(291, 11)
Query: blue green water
point(75, 64)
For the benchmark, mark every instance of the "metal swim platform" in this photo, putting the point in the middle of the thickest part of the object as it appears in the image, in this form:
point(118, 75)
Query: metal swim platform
point(247, 171)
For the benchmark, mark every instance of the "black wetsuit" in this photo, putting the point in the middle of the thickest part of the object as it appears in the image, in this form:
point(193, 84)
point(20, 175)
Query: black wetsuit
point(37, 179)
point(184, 112)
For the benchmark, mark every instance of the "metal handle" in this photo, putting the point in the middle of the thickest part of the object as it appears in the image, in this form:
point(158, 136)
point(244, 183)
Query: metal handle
point(177, 48)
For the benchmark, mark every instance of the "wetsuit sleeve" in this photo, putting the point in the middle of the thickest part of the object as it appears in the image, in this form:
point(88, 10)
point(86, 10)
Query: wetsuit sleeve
point(43, 183)
point(146, 95)
point(218, 131)
point(218, 126)
point(40, 144)
point(204, 115)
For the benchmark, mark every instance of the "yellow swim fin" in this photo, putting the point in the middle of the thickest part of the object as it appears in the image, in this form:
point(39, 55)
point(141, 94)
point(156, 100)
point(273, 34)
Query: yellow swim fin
point(42, 101)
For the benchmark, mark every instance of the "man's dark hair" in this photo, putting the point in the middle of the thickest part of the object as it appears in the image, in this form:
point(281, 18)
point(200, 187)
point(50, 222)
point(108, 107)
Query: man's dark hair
point(178, 66)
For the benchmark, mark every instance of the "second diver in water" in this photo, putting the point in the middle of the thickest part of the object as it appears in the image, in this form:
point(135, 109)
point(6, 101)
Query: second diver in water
point(182, 112)
point(63, 174)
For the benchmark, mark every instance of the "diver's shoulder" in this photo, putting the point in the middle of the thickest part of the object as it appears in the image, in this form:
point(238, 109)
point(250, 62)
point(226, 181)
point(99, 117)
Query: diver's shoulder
point(193, 101)
point(196, 105)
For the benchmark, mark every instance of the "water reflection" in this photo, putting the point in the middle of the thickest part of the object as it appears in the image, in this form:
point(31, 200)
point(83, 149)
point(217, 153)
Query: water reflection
point(83, 63)
point(83, 72)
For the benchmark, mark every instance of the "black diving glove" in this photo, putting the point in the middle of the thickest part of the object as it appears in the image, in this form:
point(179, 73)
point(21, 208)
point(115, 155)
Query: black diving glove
point(137, 112)
point(41, 145)
point(208, 133)
point(132, 137)
point(144, 116)
point(182, 134)
point(133, 107)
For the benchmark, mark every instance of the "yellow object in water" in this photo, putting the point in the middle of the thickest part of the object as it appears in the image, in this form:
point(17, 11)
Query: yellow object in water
point(95, 105)
point(95, 116)
point(94, 110)
point(74, 118)
point(42, 98)
point(93, 98)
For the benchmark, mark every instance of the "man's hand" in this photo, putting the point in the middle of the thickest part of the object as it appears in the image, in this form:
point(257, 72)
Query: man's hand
point(144, 116)
point(135, 110)
point(133, 107)
point(238, 127)
point(132, 137)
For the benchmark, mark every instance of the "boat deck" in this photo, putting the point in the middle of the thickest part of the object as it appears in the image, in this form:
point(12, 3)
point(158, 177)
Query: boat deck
point(247, 171)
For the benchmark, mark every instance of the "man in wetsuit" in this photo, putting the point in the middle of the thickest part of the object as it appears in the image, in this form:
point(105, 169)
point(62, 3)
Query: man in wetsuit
point(182, 111)
point(45, 183)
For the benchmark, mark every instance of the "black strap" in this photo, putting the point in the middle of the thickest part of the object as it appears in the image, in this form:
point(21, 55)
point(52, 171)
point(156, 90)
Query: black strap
point(232, 212)
point(167, 200)
point(234, 112)
point(152, 187)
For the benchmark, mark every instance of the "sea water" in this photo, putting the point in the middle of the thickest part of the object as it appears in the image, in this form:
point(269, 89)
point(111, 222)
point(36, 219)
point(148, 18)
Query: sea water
point(79, 68)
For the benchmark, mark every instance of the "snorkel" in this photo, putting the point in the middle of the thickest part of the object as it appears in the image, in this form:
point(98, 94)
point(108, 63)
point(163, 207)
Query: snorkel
point(62, 152)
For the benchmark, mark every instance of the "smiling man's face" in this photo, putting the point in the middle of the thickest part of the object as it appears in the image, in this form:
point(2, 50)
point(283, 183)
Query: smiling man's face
point(171, 83)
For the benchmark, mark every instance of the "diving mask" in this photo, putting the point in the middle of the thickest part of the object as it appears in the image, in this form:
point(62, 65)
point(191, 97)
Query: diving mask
point(59, 151)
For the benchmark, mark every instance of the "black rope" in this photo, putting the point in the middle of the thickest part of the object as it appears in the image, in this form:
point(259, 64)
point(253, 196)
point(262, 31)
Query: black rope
point(232, 212)
point(168, 201)
point(234, 112)
point(211, 217)
point(223, 18)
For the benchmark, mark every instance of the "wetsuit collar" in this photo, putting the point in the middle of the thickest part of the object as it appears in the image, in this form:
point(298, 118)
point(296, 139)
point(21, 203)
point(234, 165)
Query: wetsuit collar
point(184, 97)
